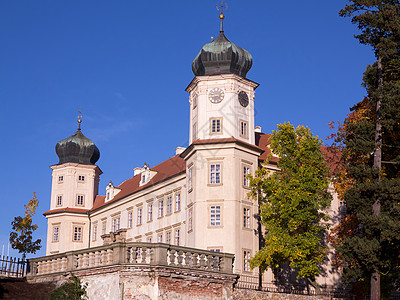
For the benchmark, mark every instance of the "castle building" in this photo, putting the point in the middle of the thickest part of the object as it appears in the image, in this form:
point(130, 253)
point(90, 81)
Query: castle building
point(197, 198)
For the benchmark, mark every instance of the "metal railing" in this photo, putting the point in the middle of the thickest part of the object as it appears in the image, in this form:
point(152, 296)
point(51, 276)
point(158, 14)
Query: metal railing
point(12, 267)
point(135, 254)
point(252, 283)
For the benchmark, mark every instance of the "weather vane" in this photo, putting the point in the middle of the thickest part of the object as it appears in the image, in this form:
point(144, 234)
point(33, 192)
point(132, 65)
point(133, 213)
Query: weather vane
point(79, 119)
point(220, 7)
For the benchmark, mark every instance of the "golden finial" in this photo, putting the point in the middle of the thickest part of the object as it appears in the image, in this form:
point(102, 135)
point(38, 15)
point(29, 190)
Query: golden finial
point(221, 7)
point(212, 38)
point(79, 119)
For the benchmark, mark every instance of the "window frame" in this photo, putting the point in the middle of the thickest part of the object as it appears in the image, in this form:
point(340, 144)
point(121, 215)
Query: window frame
point(56, 234)
point(94, 232)
point(169, 205)
point(59, 200)
point(80, 198)
point(139, 219)
point(161, 208)
point(210, 172)
point(149, 212)
point(245, 124)
point(116, 223)
point(246, 260)
point(177, 235)
point(168, 236)
point(213, 212)
point(216, 132)
point(77, 234)
point(245, 181)
point(246, 217)
point(190, 219)
point(130, 219)
point(178, 202)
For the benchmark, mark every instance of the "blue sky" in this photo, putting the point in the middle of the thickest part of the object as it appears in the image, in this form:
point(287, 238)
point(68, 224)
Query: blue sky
point(126, 65)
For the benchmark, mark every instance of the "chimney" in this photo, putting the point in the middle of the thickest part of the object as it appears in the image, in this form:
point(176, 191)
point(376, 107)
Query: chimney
point(179, 150)
point(257, 129)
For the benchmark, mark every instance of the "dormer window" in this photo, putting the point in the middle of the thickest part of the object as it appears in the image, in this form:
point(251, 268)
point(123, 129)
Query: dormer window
point(145, 174)
point(111, 191)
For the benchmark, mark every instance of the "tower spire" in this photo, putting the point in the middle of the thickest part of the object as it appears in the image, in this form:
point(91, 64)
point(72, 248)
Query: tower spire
point(79, 119)
point(220, 7)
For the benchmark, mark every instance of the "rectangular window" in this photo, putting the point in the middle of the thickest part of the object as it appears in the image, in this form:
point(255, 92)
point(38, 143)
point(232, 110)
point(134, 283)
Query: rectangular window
point(77, 234)
point(246, 261)
point(246, 171)
point(103, 227)
point(80, 200)
point(160, 238)
point(139, 216)
point(130, 219)
point(215, 215)
point(160, 208)
point(94, 232)
point(60, 179)
point(116, 222)
point(190, 219)
point(56, 233)
point(169, 205)
point(244, 129)
point(168, 237)
point(81, 178)
point(59, 200)
point(177, 236)
point(194, 132)
point(150, 212)
point(246, 217)
point(190, 177)
point(148, 240)
point(177, 202)
point(216, 126)
point(215, 173)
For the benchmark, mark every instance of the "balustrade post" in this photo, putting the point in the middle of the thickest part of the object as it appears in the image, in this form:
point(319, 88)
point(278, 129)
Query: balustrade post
point(159, 255)
point(119, 253)
point(71, 262)
point(227, 263)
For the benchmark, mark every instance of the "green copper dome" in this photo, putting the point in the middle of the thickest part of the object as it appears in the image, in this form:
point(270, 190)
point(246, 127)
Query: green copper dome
point(77, 149)
point(221, 56)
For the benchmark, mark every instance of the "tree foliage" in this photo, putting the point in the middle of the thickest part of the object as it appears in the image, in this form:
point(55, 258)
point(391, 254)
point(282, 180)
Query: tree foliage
point(368, 242)
point(21, 237)
point(72, 290)
point(293, 203)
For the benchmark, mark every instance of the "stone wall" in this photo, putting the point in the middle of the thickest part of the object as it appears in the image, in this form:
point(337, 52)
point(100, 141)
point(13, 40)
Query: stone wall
point(150, 283)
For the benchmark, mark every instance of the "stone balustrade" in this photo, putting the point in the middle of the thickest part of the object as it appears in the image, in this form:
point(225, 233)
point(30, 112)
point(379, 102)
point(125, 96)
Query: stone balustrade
point(135, 254)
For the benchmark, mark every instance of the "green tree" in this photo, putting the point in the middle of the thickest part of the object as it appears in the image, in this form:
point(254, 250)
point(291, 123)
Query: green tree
point(72, 290)
point(293, 203)
point(21, 237)
point(379, 25)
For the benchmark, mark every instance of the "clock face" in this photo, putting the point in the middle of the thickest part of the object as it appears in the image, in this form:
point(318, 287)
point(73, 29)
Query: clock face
point(243, 99)
point(216, 95)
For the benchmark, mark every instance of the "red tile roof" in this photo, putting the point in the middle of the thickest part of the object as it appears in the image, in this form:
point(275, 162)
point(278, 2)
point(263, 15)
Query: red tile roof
point(66, 210)
point(167, 169)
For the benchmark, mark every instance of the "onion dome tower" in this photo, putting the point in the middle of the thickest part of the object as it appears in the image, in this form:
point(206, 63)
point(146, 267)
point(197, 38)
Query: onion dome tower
point(74, 187)
point(77, 149)
point(221, 56)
